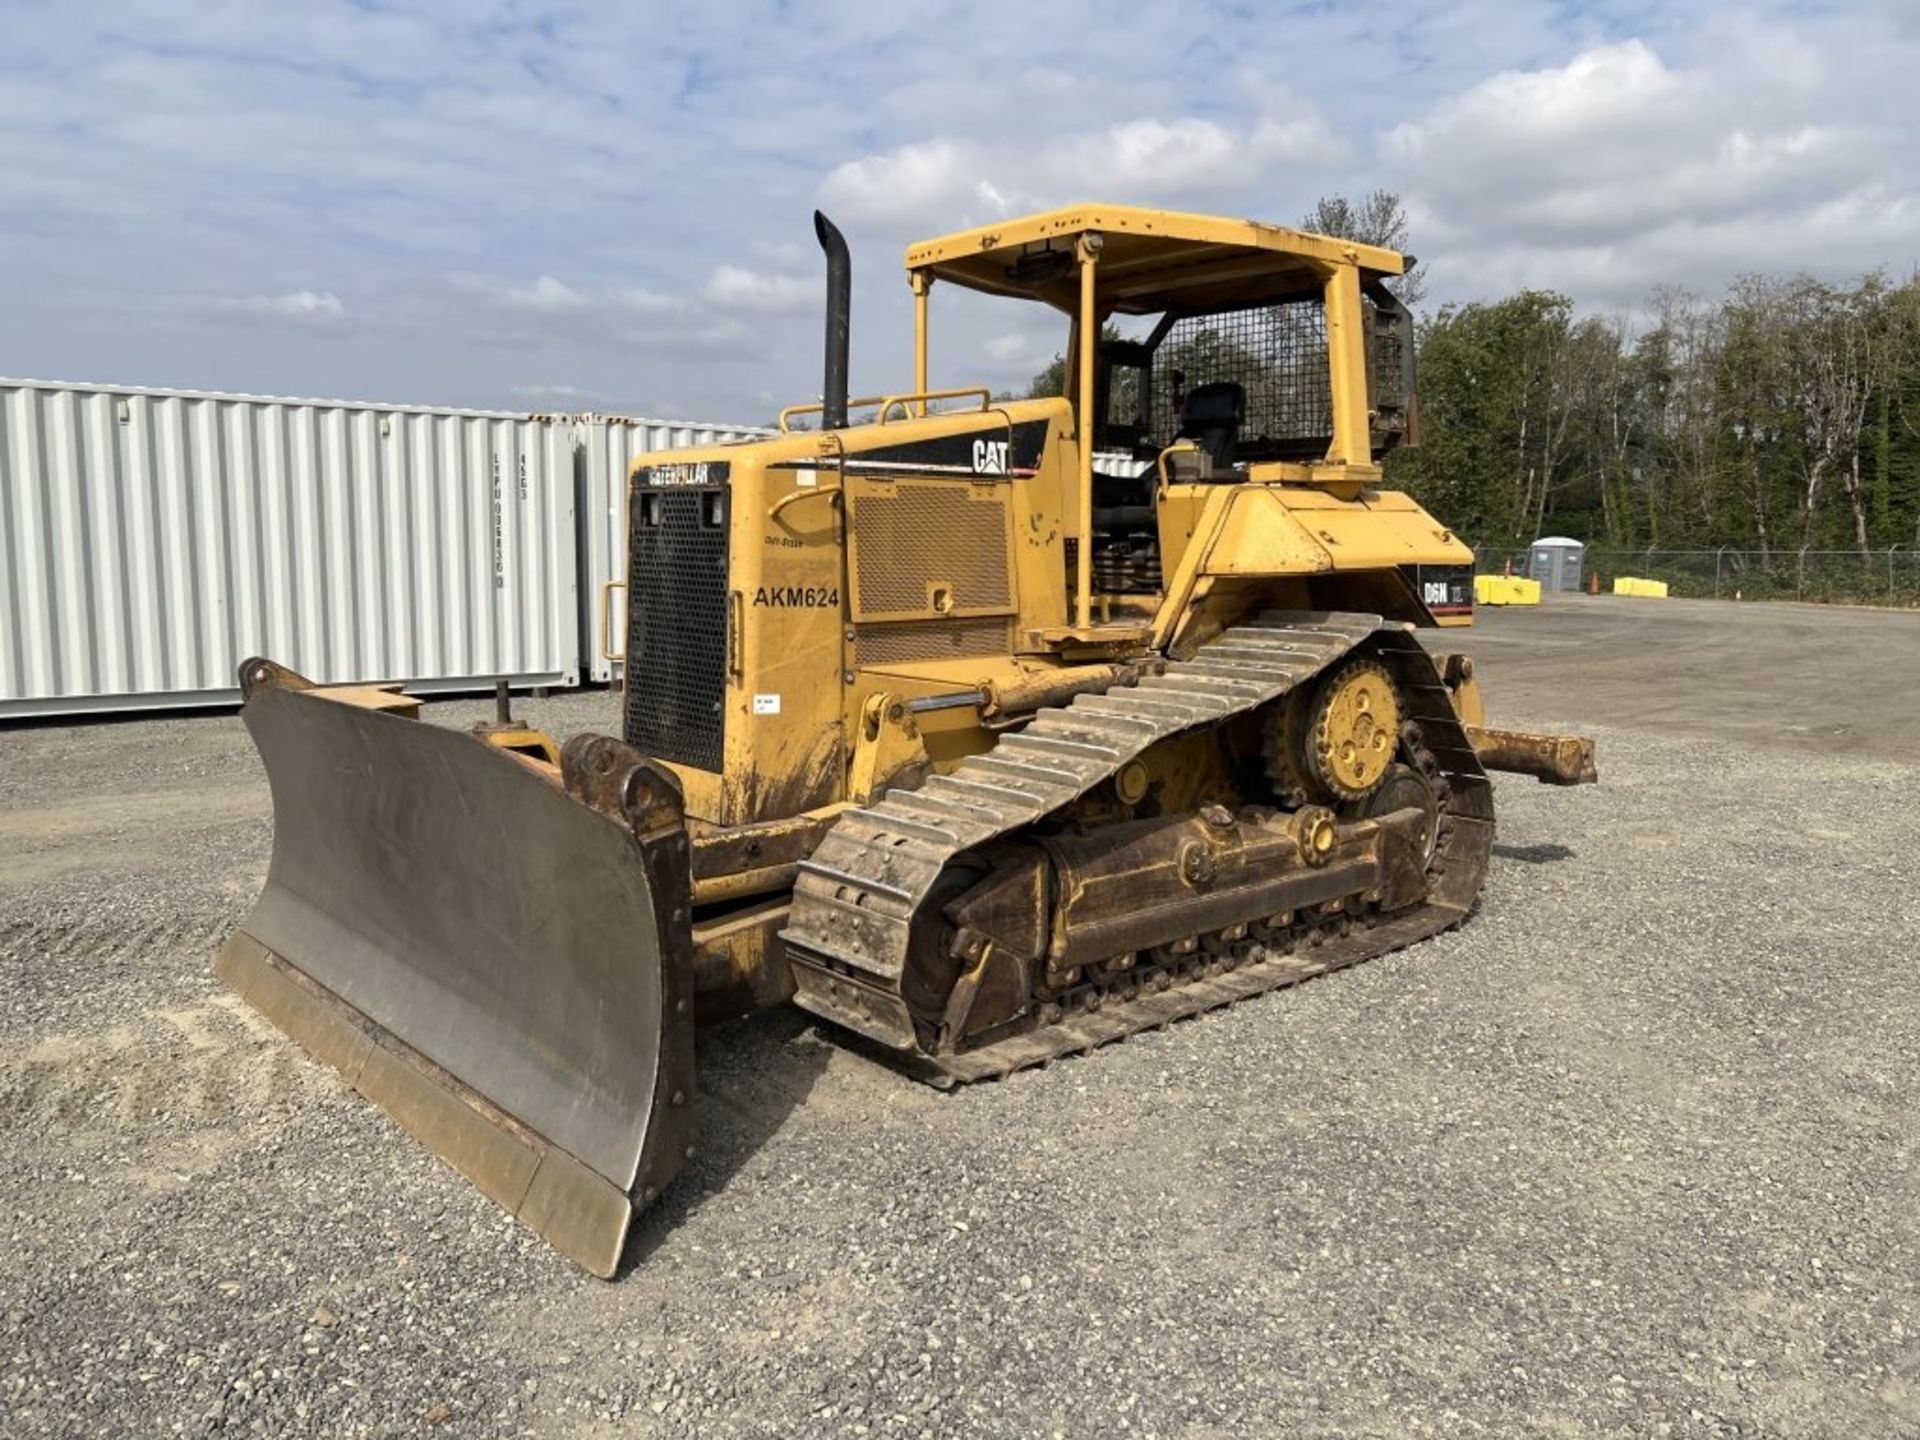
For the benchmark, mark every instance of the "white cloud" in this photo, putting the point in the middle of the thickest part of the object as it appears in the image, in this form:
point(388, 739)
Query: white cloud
point(1049, 79)
point(1607, 144)
point(906, 182)
point(1181, 157)
point(602, 169)
point(947, 183)
point(643, 301)
point(788, 257)
point(736, 288)
point(559, 394)
point(546, 293)
point(301, 307)
point(606, 320)
point(1620, 169)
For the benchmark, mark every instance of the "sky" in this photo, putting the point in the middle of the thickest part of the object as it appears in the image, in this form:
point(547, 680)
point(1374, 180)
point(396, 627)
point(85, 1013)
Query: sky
point(585, 204)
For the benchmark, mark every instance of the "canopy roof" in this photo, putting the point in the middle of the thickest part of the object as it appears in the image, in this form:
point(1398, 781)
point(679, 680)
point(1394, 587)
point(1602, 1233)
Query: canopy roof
point(1151, 261)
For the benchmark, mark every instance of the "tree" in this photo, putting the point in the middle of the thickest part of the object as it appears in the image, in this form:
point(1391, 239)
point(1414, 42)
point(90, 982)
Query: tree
point(1496, 406)
point(1053, 379)
point(1785, 415)
point(1897, 441)
point(1379, 219)
point(1680, 487)
point(1050, 381)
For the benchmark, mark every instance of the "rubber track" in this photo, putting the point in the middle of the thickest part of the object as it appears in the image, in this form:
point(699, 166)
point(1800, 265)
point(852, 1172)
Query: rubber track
point(857, 896)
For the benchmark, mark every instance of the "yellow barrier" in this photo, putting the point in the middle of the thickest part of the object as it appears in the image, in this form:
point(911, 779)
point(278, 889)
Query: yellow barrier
point(1505, 590)
point(1628, 585)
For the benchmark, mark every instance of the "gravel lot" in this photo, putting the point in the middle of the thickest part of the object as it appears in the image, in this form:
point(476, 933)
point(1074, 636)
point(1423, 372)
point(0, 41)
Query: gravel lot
point(1631, 1154)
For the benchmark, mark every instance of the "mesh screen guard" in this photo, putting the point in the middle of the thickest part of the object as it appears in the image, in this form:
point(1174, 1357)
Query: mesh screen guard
point(1277, 353)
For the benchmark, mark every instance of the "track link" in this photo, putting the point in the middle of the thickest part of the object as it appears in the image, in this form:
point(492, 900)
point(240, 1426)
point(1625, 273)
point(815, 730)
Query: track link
point(858, 896)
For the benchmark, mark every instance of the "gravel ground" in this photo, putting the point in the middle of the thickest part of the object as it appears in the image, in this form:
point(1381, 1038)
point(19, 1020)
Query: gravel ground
point(1631, 1154)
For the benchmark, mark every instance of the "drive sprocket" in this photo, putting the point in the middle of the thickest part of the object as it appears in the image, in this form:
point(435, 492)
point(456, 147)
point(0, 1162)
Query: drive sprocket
point(1337, 741)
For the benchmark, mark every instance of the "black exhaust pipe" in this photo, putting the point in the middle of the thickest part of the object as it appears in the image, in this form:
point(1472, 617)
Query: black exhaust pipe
point(833, 391)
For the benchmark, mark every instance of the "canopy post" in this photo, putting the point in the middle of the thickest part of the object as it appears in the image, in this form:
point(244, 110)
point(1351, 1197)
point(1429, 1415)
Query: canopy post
point(921, 282)
point(1088, 329)
point(1347, 360)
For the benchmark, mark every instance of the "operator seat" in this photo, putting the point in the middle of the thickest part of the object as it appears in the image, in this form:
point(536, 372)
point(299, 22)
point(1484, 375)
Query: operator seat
point(1212, 416)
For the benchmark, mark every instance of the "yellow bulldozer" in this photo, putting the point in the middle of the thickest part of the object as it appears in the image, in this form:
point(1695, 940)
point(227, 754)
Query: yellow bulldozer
point(986, 730)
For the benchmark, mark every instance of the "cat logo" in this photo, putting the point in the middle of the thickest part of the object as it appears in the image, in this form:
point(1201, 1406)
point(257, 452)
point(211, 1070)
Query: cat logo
point(990, 457)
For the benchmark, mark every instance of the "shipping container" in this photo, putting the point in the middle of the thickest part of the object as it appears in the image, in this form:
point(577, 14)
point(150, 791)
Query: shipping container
point(152, 540)
point(608, 446)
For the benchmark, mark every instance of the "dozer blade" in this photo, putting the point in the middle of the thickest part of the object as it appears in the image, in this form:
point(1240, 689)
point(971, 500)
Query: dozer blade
point(498, 963)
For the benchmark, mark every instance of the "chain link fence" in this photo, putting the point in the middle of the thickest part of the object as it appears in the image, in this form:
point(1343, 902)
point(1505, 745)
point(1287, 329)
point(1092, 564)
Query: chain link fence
point(1840, 577)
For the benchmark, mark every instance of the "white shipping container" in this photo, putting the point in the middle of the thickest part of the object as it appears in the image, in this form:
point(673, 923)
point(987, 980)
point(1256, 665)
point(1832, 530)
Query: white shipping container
point(152, 540)
point(608, 446)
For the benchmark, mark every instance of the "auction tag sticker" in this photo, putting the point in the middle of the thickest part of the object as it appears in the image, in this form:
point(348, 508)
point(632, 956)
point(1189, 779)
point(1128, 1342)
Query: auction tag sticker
point(766, 704)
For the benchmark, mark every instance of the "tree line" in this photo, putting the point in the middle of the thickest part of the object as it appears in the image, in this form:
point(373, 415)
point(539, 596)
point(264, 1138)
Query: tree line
point(1785, 414)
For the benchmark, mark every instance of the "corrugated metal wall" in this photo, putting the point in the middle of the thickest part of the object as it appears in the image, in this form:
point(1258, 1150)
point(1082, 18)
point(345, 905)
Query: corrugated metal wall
point(151, 540)
point(608, 445)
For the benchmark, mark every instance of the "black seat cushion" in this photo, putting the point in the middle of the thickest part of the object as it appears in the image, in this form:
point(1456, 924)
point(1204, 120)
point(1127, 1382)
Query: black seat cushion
point(1212, 416)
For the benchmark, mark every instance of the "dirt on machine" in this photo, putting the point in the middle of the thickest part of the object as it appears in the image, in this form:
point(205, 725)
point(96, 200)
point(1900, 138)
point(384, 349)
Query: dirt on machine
point(987, 731)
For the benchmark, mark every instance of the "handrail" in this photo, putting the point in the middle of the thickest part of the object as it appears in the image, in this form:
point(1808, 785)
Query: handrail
point(886, 403)
point(606, 618)
point(1160, 460)
point(793, 496)
point(814, 406)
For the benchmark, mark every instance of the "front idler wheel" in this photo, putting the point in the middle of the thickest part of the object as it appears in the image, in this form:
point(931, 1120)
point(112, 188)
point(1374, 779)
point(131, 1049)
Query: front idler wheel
point(1406, 788)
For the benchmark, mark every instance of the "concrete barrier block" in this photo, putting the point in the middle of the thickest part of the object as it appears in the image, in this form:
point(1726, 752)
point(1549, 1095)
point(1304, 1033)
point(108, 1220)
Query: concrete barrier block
point(1649, 589)
point(1505, 590)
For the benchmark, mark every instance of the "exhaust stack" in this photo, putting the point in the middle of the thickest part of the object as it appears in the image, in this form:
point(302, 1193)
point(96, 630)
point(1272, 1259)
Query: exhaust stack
point(833, 391)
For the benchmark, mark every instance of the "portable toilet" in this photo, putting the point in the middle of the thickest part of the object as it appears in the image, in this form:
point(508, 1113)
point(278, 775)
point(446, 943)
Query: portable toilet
point(1555, 562)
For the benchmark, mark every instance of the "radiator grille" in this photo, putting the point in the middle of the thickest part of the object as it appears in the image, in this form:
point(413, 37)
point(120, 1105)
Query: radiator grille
point(677, 624)
point(910, 534)
point(905, 642)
